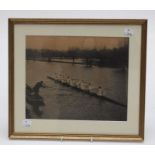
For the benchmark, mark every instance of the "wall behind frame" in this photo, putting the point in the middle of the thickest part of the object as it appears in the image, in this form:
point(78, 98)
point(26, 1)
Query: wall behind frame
point(150, 82)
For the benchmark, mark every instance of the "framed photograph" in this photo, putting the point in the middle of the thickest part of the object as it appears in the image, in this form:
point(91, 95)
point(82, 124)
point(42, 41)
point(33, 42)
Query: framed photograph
point(77, 79)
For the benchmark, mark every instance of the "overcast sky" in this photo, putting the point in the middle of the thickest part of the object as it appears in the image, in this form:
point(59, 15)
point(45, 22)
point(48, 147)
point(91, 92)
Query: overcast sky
point(66, 43)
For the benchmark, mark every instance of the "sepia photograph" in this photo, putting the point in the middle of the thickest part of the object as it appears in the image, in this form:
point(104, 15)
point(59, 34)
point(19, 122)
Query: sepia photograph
point(76, 77)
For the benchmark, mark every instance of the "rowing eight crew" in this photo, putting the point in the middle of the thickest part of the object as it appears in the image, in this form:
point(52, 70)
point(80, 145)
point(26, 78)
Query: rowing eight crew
point(80, 84)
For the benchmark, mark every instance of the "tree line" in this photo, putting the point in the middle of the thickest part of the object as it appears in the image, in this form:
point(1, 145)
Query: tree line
point(116, 57)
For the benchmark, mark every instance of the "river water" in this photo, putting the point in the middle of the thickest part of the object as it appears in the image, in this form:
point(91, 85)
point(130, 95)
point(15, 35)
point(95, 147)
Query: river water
point(66, 103)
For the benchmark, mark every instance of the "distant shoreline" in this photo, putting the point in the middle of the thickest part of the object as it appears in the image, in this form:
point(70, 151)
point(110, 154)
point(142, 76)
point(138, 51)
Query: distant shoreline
point(80, 63)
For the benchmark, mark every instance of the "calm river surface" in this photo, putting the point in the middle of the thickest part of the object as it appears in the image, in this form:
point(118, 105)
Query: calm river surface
point(66, 103)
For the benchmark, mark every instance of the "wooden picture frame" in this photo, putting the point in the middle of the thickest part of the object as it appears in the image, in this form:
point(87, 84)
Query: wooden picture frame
point(31, 33)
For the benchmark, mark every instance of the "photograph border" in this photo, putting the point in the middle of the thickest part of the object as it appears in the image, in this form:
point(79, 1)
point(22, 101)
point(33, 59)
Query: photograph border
point(94, 137)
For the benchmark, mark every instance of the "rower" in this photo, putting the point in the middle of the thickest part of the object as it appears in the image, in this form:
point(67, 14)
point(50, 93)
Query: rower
point(99, 92)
